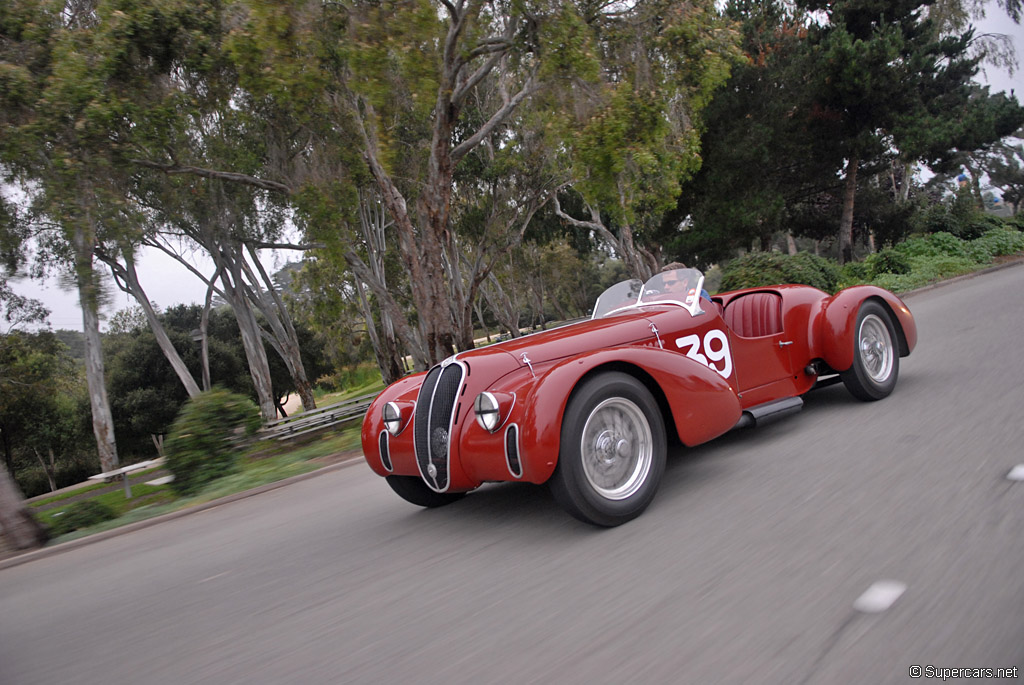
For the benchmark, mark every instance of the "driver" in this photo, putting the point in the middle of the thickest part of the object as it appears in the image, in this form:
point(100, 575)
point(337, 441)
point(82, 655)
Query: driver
point(672, 282)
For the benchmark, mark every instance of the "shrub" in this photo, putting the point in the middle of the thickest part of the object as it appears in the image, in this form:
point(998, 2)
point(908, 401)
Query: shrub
point(854, 272)
point(934, 245)
point(82, 515)
point(888, 261)
point(769, 268)
point(1000, 241)
point(204, 440)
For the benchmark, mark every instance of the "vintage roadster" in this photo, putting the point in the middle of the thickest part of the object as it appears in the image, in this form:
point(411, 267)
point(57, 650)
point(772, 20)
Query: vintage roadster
point(590, 408)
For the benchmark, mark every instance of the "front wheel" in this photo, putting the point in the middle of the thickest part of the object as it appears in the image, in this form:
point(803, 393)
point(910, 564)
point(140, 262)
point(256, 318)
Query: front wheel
point(413, 489)
point(612, 452)
point(876, 358)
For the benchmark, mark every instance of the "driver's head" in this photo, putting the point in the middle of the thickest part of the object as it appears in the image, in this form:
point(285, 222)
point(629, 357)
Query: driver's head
point(671, 280)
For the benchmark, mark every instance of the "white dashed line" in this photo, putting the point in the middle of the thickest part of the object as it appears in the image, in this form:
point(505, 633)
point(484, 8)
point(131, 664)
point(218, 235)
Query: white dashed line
point(880, 596)
point(1016, 473)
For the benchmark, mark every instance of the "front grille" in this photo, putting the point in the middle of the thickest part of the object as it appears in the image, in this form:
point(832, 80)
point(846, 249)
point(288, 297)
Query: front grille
point(432, 430)
point(512, 451)
point(385, 453)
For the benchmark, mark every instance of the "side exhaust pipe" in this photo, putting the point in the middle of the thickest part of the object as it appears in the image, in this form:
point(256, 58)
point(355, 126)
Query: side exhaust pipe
point(768, 412)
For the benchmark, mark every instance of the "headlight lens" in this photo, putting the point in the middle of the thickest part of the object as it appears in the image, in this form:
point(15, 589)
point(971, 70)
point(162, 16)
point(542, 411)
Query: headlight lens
point(392, 416)
point(488, 413)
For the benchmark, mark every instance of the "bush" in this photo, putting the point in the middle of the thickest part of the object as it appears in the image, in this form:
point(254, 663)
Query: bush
point(204, 440)
point(855, 272)
point(997, 242)
point(82, 515)
point(888, 261)
point(770, 268)
point(934, 245)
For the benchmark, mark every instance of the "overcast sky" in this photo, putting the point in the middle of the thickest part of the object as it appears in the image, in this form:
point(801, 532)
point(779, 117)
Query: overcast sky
point(168, 283)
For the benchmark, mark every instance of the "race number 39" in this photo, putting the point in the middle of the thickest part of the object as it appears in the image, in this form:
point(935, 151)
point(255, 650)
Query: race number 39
point(709, 352)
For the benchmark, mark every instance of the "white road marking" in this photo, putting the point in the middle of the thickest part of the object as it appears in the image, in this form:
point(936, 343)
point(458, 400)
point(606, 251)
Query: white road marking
point(880, 596)
point(1016, 473)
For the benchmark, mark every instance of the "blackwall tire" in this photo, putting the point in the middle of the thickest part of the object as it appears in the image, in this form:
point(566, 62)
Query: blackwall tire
point(413, 489)
point(612, 452)
point(876, 355)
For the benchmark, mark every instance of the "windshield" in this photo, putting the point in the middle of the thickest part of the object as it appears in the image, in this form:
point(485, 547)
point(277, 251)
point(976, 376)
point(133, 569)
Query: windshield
point(620, 295)
point(680, 287)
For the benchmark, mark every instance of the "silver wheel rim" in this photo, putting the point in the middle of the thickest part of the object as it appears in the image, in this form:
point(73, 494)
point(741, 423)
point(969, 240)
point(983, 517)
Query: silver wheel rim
point(617, 448)
point(875, 348)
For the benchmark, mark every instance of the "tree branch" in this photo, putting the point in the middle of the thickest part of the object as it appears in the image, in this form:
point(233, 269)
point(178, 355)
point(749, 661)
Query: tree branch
point(245, 179)
point(497, 118)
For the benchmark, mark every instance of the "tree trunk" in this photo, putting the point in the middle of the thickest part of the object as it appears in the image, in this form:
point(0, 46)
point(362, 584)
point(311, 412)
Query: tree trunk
point(47, 468)
point(284, 338)
point(501, 304)
point(846, 221)
point(128, 278)
point(255, 354)
point(16, 521)
point(204, 327)
point(88, 295)
point(791, 244)
point(8, 462)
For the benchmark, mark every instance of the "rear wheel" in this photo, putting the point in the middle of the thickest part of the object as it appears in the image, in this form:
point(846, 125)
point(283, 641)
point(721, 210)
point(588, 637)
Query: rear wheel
point(612, 453)
point(413, 489)
point(876, 358)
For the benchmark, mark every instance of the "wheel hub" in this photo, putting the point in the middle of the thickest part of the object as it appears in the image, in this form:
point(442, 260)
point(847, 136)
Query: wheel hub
point(617, 448)
point(876, 349)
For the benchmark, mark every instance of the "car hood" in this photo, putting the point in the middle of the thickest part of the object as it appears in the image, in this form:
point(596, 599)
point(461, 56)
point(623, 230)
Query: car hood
point(617, 329)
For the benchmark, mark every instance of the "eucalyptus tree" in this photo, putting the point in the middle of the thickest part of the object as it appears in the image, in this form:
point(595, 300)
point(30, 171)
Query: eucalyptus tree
point(420, 89)
point(634, 132)
point(56, 117)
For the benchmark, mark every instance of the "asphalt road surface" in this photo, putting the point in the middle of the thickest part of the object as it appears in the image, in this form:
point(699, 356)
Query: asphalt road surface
point(746, 568)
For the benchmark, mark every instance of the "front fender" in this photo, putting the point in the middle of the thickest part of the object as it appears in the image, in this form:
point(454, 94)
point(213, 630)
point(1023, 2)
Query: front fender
point(701, 404)
point(837, 324)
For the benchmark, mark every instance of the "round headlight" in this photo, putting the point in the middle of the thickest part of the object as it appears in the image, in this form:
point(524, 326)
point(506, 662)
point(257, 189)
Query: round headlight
point(392, 416)
point(487, 411)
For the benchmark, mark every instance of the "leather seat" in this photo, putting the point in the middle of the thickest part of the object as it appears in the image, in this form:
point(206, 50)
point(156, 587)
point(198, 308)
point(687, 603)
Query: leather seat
point(755, 315)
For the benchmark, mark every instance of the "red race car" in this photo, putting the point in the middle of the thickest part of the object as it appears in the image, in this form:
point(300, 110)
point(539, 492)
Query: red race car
point(588, 408)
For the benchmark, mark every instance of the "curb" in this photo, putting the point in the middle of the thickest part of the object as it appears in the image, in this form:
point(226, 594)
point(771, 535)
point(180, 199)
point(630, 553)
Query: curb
point(45, 552)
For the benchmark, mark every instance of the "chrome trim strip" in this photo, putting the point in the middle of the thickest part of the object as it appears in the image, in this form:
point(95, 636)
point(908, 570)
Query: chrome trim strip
point(431, 481)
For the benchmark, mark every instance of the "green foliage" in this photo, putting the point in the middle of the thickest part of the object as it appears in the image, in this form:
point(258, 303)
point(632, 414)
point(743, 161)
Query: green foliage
point(770, 268)
point(888, 261)
point(925, 270)
point(82, 514)
point(203, 444)
point(995, 243)
point(43, 413)
point(935, 245)
point(958, 216)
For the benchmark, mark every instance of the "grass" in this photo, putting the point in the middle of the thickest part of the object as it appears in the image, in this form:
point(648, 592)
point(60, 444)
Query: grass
point(259, 466)
point(78, 492)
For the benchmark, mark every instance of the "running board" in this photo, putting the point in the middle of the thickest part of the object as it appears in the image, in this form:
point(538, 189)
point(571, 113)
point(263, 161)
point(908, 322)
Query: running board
point(769, 411)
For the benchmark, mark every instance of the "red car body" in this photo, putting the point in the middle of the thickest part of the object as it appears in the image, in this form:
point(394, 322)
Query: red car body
point(709, 366)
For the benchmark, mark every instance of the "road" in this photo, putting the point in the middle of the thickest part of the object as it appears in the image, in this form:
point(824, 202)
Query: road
point(744, 570)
